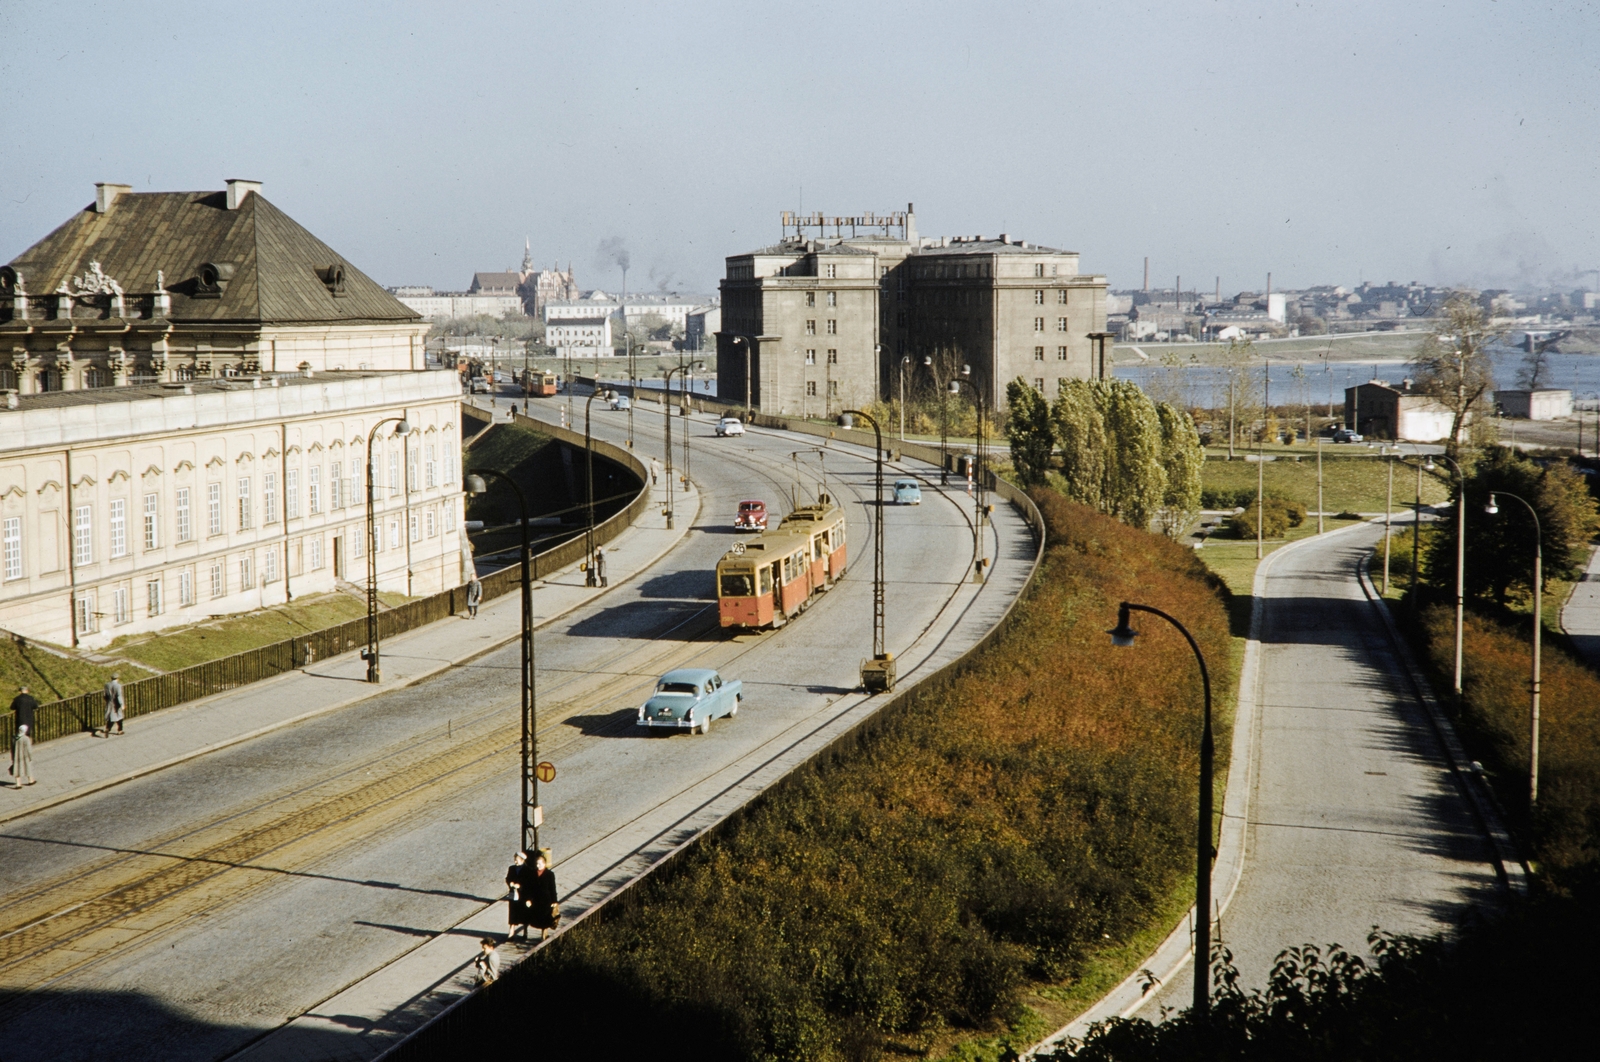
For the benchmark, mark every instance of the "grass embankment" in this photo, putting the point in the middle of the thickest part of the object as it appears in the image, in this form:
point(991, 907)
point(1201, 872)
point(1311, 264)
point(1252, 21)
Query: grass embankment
point(1027, 826)
point(1354, 483)
point(180, 647)
point(51, 677)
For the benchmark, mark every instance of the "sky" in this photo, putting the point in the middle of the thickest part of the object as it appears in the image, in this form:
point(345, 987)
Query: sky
point(1326, 143)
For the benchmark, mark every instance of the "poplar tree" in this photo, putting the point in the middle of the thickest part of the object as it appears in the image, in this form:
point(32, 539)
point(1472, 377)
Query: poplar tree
point(1134, 479)
point(1030, 431)
point(1080, 429)
point(1181, 458)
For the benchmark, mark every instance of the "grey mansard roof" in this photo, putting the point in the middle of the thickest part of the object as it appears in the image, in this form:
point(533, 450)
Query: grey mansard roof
point(280, 270)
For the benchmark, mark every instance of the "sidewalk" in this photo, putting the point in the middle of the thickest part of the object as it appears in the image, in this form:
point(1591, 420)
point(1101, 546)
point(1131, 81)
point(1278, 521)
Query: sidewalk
point(71, 767)
point(1580, 616)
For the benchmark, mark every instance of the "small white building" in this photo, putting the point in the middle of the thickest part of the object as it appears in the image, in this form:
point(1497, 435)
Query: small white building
point(701, 327)
point(1543, 404)
point(587, 337)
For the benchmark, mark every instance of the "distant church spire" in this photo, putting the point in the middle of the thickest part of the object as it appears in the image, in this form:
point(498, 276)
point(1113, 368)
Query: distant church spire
point(527, 255)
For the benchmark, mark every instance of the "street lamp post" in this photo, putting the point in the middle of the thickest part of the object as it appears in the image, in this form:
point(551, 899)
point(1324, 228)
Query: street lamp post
point(745, 342)
point(1123, 635)
point(374, 669)
point(979, 476)
point(666, 410)
point(877, 674)
point(1538, 631)
point(1461, 558)
point(588, 458)
point(944, 440)
point(905, 361)
point(633, 390)
point(531, 813)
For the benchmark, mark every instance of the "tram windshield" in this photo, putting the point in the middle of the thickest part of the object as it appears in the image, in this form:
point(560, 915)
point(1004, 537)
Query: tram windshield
point(738, 584)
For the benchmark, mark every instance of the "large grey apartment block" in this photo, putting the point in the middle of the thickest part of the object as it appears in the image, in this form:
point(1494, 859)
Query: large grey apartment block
point(825, 322)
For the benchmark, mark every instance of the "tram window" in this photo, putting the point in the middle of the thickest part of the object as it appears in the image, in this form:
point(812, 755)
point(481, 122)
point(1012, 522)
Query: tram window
point(738, 584)
point(766, 580)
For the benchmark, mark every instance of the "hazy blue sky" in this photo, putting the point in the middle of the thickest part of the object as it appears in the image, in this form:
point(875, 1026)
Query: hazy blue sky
point(1327, 142)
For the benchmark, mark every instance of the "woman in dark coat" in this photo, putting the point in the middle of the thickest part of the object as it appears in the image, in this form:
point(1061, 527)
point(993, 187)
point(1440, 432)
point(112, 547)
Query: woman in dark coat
point(520, 916)
point(540, 889)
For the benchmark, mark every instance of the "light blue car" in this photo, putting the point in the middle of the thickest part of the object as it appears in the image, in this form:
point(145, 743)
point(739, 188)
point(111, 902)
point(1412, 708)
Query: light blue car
point(690, 698)
point(907, 492)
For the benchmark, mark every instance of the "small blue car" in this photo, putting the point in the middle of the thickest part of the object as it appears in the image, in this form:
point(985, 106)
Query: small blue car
point(907, 492)
point(689, 698)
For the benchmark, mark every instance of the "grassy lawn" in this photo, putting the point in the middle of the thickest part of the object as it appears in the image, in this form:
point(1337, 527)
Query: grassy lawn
point(51, 677)
point(180, 647)
point(1363, 346)
point(1356, 483)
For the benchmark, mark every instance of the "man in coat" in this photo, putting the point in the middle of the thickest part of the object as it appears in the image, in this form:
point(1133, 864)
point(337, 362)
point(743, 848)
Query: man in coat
point(24, 707)
point(22, 758)
point(474, 596)
point(113, 699)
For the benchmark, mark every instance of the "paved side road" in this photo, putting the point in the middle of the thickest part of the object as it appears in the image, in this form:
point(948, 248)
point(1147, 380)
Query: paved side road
point(1343, 811)
point(1580, 617)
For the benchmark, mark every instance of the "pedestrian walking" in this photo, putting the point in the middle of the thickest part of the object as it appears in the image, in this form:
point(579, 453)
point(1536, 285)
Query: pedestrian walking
point(113, 699)
point(487, 962)
point(600, 565)
point(22, 758)
point(24, 707)
point(655, 471)
point(540, 890)
point(474, 596)
point(519, 915)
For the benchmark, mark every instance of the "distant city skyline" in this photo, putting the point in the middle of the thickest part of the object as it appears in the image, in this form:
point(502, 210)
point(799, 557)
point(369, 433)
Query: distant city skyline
point(1327, 145)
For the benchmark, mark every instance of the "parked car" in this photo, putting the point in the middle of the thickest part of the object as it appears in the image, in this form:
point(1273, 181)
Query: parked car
point(1345, 435)
point(690, 698)
point(730, 426)
point(479, 386)
point(621, 402)
point(907, 491)
point(752, 516)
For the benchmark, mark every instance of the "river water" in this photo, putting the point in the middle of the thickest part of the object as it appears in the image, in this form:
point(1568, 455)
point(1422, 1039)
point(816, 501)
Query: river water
point(1322, 383)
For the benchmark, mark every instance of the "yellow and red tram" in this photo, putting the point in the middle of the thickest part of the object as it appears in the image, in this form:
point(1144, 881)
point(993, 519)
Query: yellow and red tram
point(765, 581)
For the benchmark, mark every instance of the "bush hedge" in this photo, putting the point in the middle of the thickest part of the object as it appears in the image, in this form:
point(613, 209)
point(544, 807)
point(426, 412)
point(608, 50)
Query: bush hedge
point(992, 834)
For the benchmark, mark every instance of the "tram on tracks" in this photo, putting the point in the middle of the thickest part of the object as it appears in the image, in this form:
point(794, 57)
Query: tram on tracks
point(539, 384)
point(767, 580)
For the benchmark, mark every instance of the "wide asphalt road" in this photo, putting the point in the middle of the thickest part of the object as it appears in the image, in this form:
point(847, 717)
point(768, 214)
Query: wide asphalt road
point(1355, 819)
point(261, 880)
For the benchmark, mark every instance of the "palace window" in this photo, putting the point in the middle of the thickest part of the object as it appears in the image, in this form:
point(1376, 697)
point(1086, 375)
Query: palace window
point(214, 508)
point(185, 524)
point(1061, 296)
point(811, 328)
point(1061, 324)
point(82, 535)
point(811, 356)
point(833, 298)
point(833, 356)
point(1038, 353)
point(1061, 353)
point(811, 388)
point(119, 528)
point(219, 579)
point(833, 327)
point(152, 595)
point(269, 496)
point(1038, 324)
point(13, 547)
point(1038, 298)
point(186, 587)
point(152, 517)
point(244, 503)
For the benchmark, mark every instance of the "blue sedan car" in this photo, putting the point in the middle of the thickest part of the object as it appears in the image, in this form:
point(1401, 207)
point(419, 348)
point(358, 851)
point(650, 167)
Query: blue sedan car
point(907, 492)
point(689, 698)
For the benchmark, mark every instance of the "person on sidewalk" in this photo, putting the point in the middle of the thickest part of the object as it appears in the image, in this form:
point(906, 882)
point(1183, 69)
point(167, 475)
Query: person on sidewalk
point(22, 758)
point(474, 596)
point(600, 565)
point(487, 962)
point(519, 915)
point(24, 707)
point(113, 699)
point(655, 471)
point(540, 890)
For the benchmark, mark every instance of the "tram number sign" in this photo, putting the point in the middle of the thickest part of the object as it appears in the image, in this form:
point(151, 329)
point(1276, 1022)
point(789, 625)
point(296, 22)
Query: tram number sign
point(738, 549)
point(546, 771)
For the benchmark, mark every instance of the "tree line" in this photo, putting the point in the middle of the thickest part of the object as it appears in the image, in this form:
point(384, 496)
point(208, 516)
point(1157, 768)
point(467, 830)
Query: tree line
point(1105, 444)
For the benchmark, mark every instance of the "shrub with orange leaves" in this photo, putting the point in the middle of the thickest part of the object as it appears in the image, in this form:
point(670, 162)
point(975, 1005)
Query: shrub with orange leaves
point(985, 835)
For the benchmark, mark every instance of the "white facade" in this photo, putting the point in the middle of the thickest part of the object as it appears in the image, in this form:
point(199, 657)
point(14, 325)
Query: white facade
point(580, 336)
point(435, 306)
point(1546, 404)
point(165, 504)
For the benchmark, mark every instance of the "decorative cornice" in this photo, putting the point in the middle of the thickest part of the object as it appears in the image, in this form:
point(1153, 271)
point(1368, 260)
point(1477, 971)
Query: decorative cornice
point(84, 480)
point(242, 458)
point(48, 484)
point(315, 448)
point(272, 452)
point(117, 475)
point(13, 489)
point(154, 470)
point(294, 449)
point(183, 466)
point(215, 462)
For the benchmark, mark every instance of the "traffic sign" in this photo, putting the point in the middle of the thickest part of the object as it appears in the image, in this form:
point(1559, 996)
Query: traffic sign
point(546, 771)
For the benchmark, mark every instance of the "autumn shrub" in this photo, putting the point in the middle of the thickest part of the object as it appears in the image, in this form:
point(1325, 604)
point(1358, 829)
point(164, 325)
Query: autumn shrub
point(988, 834)
point(1564, 832)
point(1280, 516)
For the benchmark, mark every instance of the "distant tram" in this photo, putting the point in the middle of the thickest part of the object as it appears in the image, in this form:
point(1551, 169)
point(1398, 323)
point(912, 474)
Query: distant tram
point(539, 384)
point(767, 580)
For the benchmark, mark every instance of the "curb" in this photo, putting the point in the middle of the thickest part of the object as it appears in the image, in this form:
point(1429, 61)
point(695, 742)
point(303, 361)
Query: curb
point(1509, 865)
point(476, 654)
point(1176, 950)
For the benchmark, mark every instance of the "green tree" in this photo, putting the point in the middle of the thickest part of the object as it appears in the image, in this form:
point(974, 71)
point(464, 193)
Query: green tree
point(1499, 559)
point(1181, 458)
point(1134, 479)
point(1453, 364)
point(1030, 431)
point(1081, 430)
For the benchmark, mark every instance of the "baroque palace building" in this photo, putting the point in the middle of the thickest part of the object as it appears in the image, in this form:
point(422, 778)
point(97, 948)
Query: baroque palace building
point(827, 322)
point(186, 453)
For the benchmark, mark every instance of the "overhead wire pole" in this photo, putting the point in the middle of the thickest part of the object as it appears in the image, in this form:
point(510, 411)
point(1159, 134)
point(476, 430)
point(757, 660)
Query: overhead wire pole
point(532, 814)
point(588, 454)
point(372, 652)
point(877, 674)
point(1538, 630)
point(666, 410)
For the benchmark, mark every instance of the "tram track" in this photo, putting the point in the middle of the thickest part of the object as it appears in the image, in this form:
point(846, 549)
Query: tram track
point(66, 926)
